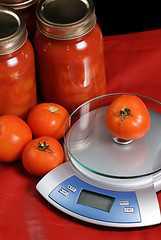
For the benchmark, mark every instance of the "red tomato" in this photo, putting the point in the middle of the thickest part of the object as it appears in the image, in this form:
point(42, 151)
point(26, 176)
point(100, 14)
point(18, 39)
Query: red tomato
point(128, 118)
point(14, 135)
point(42, 155)
point(48, 119)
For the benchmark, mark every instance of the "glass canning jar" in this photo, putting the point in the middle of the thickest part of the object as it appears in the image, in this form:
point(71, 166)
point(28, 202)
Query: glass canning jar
point(69, 52)
point(28, 9)
point(17, 65)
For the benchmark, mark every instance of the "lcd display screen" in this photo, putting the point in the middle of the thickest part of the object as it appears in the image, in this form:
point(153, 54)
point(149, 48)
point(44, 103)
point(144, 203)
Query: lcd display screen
point(96, 200)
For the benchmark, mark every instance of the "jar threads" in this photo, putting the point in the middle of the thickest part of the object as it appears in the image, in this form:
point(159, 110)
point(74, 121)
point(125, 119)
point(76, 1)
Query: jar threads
point(13, 32)
point(65, 19)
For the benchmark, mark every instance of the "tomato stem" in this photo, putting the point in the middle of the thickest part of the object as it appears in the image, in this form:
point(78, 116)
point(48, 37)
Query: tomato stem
point(53, 109)
point(42, 146)
point(124, 112)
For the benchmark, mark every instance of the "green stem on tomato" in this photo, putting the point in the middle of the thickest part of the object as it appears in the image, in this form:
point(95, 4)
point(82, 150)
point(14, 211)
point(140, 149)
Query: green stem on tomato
point(53, 109)
point(124, 112)
point(42, 146)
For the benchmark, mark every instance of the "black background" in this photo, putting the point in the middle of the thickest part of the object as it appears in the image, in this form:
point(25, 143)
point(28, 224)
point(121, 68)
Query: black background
point(119, 17)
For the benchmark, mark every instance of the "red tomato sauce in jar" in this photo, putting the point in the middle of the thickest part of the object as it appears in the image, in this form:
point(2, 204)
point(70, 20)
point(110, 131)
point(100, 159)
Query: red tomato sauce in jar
point(70, 64)
point(17, 67)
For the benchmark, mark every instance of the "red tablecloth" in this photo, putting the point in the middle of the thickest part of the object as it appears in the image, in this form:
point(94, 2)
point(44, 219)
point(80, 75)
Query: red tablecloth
point(133, 64)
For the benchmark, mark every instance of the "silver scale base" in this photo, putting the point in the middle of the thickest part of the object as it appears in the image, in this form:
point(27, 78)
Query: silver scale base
point(96, 159)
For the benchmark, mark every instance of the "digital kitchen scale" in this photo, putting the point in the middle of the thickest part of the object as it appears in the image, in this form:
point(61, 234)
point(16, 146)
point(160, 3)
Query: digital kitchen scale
point(104, 182)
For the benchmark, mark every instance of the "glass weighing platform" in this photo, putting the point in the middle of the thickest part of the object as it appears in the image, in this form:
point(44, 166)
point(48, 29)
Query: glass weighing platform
point(104, 182)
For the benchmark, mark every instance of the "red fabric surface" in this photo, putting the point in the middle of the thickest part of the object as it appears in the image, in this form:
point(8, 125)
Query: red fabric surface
point(133, 64)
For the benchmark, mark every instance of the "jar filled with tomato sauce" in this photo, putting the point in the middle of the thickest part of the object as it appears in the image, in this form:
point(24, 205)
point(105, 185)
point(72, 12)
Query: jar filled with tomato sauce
point(28, 9)
point(17, 65)
point(69, 52)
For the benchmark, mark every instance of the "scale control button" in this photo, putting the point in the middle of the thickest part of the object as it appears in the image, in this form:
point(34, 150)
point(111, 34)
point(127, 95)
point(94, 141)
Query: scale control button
point(124, 203)
point(71, 188)
point(129, 210)
point(63, 191)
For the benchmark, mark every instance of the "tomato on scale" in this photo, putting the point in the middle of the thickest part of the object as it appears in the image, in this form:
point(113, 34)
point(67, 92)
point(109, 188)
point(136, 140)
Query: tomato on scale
point(127, 118)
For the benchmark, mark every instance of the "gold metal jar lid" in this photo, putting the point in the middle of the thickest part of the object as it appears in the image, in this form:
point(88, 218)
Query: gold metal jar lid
point(13, 32)
point(65, 19)
point(18, 4)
